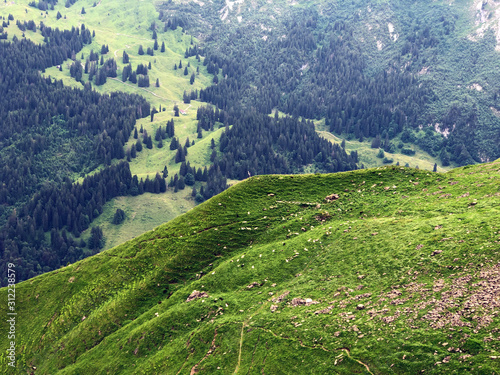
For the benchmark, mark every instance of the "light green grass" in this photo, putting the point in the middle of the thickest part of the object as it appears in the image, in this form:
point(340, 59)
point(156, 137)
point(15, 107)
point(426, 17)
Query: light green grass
point(123, 26)
point(368, 156)
point(148, 162)
point(397, 244)
point(143, 213)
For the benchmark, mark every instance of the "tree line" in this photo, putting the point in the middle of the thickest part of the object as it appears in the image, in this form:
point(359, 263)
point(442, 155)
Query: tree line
point(65, 210)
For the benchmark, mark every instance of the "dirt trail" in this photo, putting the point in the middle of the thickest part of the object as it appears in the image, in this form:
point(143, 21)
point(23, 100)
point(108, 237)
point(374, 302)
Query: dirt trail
point(361, 363)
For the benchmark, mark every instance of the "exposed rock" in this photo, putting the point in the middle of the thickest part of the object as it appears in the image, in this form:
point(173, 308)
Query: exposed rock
point(331, 197)
point(435, 252)
point(303, 302)
point(324, 311)
point(323, 216)
point(360, 307)
point(253, 285)
point(196, 294)
point(281, 298)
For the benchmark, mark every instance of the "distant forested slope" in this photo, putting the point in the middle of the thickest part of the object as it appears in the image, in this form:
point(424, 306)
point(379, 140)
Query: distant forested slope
point(403, 70)
point(50, 134)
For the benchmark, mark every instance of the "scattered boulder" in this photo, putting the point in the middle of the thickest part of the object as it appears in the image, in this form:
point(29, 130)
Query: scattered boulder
point(435, 252)
point(360, 307)
point(196, 294)
point(331, 197)
point(281, 298)
point(303, 302)
point(323, 216)
point(253, 285)
point(324, 311)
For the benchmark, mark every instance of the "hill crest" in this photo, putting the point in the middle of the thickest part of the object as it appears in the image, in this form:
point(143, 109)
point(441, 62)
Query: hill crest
point(399, 274)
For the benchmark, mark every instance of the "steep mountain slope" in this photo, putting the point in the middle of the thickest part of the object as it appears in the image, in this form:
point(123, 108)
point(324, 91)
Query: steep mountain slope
point(388, 270)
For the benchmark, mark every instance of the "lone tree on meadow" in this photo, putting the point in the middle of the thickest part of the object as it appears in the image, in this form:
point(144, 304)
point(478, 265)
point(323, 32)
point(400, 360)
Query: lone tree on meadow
point(119, 216)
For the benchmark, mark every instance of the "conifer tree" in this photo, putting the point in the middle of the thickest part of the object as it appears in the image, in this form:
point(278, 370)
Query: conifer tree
point(174, 144)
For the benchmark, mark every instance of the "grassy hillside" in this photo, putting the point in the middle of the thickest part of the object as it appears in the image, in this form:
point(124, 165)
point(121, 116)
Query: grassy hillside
point(398, 275)
point(368, 156)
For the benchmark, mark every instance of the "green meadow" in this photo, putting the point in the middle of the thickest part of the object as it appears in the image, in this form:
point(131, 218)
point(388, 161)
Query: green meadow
point(124, 26)
point(389, 270)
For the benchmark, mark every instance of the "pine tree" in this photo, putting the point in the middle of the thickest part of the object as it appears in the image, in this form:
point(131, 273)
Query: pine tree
point(435, 167)
point(186, 71)
point(96, 240)
point(171, 128)
point(174, 144)
point(189, 179)
point(376, 142)
point(180, 156)
point(119, 216)
point(155, 46)
point(183, 169)
point(141, 50)
point(138, 146)
point(165, 172)
point(191, 80)
point(162, 47)
point(158, 134)
point(181, 183)
point(157, 82)
point(126, 58)
point(135, 133)
point(176, 110)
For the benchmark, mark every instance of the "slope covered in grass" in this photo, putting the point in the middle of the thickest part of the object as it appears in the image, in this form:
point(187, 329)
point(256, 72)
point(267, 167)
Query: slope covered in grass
point(399, 274)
